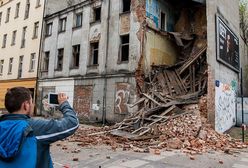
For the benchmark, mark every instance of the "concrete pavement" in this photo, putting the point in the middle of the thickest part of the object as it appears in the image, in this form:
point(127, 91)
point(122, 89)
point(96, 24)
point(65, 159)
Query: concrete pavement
point(70, 155)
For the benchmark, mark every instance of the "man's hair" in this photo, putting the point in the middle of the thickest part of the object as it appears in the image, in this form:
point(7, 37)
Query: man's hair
point(15, 97)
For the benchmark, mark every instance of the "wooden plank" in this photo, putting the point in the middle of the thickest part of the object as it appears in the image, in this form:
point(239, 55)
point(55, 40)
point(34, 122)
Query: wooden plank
point(168, 84)
point(192, 60)
point(173, 82)
point(162, 82)
point(179, 83)
point(137, 102)
point(151, 99)
point(180, 79)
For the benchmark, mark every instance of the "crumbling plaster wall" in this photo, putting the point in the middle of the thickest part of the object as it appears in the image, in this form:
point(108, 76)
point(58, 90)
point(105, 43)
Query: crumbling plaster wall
point(160, 50)
point(153, 14)
point(218, 71)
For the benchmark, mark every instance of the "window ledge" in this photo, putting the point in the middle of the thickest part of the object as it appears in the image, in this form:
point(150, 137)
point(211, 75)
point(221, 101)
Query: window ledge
point(76, 27)
point(95, 22)
point(122, 62)
point(48, 35)
point(125, 13)
point(37, 6)
point(62, 31)
point(71, 68)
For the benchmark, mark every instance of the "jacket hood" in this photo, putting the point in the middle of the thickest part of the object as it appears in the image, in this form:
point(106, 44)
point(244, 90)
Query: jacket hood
point(11, 136)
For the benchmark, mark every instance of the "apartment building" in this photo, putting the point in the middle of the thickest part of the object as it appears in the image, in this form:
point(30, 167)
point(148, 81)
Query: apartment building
point(98, 50)
point(20, 27)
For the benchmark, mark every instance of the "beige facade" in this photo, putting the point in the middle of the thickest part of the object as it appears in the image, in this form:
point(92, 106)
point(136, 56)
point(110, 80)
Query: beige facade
point(20, 32)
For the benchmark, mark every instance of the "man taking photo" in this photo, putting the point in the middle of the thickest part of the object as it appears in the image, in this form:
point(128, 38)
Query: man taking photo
point(24, 141)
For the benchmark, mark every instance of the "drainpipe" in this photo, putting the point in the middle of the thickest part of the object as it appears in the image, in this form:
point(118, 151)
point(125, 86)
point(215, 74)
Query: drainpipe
point(105, 70)
point(39, 55)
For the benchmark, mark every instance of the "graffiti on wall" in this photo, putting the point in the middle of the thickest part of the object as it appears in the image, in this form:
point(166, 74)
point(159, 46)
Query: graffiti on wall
point(225, 96)
point(122, 97)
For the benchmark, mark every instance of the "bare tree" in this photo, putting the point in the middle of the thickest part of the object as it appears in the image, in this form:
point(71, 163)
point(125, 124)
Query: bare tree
point(243, 13)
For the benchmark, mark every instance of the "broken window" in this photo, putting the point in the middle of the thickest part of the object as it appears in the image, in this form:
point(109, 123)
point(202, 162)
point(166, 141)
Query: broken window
point(97, 14)
point(62, 25)
point(124, 48)
point(20, 66)
point(75, 54)
point(46, 61)
point(49, 29)
point(1, 67)
point(126, 5)
point(60, 59)
point(94, 47)
point(162, 21)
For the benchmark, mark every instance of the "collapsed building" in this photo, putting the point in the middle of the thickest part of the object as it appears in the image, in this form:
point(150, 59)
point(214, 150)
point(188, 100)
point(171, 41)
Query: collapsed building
point(114, 58)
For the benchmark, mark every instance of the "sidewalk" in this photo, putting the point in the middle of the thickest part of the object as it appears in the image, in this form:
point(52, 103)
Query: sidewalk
point(70, 155)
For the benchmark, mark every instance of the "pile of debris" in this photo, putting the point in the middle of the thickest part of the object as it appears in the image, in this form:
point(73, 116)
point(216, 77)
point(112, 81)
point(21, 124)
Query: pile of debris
point(169, 116)
point(187, 130)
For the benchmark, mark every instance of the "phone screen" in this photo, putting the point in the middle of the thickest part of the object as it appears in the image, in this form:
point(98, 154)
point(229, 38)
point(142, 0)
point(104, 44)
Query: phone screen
point(53, 99)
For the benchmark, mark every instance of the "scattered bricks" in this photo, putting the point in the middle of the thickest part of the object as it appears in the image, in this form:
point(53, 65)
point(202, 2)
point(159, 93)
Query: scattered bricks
point(192, 158)
point(221, 162)
point(157, 152)
point(175, 143)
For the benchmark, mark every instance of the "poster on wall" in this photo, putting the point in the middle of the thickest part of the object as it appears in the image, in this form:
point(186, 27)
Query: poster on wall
point(227, 45)
point(225, 106)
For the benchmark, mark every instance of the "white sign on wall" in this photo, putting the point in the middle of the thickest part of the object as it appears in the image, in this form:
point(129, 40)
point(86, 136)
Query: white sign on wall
point(225, 97)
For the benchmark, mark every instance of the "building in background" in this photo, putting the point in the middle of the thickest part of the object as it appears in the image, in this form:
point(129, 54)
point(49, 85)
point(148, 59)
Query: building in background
point(20, 27)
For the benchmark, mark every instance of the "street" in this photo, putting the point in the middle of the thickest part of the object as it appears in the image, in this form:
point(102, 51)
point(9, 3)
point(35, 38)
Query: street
point(69, 155)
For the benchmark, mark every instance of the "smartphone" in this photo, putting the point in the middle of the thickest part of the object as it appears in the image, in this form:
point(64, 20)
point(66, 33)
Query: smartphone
point(53, 99)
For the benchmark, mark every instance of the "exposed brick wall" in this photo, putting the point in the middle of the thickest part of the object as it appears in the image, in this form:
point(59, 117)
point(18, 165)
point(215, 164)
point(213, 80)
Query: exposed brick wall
point(82, 100)
point(211, 97)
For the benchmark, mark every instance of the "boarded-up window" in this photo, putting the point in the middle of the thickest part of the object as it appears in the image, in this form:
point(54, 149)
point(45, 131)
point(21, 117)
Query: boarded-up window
point(121, 98)
point(82, 100)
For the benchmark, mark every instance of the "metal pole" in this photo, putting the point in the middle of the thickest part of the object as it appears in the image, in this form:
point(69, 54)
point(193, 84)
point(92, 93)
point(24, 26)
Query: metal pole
point(242, 106)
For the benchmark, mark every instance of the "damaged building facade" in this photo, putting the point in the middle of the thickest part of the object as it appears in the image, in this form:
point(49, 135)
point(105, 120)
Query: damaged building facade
point(103, 54)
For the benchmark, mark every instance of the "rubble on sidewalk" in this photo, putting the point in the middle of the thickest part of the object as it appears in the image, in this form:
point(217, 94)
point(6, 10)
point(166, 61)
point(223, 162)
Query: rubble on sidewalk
point(172, 107)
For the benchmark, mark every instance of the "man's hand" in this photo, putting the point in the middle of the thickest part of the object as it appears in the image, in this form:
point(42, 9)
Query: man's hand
point(62, 98)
